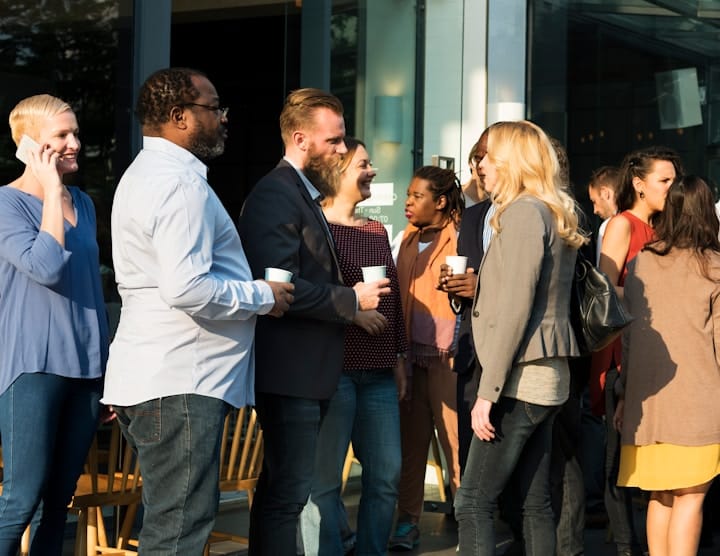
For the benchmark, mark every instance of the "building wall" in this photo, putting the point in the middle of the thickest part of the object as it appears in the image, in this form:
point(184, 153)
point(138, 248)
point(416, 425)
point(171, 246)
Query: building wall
point(474, 73)
point(455, 79)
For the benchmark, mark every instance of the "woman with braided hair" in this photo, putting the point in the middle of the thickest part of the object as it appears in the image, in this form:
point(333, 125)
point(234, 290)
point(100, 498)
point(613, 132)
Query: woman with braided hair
point(433, 208)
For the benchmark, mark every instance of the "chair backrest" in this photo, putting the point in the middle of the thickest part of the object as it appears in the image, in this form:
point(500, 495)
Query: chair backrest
point(112, 473)
point(241, 451)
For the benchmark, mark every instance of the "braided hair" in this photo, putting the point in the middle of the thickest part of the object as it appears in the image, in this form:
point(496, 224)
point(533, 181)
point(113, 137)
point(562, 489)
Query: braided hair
point(444, 182)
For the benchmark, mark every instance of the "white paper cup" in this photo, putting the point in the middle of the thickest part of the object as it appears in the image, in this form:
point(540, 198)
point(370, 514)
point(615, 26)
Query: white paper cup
point(458, 263)
point(373, 273)
point(277, 275)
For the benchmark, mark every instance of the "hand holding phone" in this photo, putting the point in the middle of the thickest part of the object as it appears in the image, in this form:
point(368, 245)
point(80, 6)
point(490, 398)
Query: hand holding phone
point(24, 147)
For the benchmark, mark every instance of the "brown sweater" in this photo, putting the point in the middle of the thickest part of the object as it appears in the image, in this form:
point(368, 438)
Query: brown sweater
point(671, 352)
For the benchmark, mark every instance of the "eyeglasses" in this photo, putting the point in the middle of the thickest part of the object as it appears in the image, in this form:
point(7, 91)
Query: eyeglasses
point(223, 111)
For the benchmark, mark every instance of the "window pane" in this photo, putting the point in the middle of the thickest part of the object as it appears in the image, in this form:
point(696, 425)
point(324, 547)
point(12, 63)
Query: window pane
point(78, 51)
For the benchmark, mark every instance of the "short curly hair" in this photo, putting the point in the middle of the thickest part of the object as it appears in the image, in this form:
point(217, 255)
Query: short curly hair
point(161, 91)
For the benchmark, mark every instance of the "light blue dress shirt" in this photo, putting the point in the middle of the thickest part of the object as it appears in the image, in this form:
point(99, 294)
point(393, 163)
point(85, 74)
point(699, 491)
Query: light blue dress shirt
point(189, 302)
point(488, 230)
point(52, 313)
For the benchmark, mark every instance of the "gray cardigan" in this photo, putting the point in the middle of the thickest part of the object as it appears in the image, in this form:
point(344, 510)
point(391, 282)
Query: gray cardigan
point(522, 304)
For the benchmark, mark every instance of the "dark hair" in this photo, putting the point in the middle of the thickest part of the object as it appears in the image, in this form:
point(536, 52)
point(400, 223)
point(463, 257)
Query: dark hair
point(639, 164)
point(563, 163)
point(689, 221)
point(161, 91)
point(352, 144)
point(444, 182)
point(606, 176)
point(300, 107)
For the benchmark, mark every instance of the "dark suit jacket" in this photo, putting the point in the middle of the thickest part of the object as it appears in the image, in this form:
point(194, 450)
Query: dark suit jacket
point(469, 244)
point(300, 354)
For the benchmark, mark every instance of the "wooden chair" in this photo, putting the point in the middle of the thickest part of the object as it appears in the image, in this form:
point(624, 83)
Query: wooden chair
point(112, 478)
point(241, 453)
point(347, 466)
point(435, 463)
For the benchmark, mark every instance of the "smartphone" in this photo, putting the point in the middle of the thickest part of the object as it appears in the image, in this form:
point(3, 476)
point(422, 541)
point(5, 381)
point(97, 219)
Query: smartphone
point(24, 148)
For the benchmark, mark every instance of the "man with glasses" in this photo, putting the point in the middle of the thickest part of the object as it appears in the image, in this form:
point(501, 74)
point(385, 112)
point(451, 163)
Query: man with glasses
point(183, 352)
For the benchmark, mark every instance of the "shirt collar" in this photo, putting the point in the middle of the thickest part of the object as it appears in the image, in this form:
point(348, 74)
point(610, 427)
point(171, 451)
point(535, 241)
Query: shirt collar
point(314, 193)
point(160, 144)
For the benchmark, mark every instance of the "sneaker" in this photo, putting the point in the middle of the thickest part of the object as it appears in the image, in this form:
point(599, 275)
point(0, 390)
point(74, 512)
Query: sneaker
point(405, 537)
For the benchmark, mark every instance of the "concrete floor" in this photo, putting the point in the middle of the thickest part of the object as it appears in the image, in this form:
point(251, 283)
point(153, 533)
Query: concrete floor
point(438, 530)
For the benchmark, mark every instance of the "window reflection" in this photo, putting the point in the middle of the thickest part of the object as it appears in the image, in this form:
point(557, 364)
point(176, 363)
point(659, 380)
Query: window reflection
point(79, 52)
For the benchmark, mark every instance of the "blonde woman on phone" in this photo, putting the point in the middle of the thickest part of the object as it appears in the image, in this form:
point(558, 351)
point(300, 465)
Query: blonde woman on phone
point(54, 327)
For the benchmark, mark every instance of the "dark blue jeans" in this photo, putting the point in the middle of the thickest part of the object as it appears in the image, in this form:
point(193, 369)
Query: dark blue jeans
point(290, 430)
point(521, 449)
point(364, 408)
point(47, 423)
point(177, 440)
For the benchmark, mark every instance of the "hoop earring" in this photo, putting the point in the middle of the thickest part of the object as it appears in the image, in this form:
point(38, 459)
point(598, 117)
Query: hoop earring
point(642, 194)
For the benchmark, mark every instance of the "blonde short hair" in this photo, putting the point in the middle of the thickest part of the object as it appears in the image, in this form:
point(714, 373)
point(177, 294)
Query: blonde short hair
point(526, 164)
point(27, 116)
point(300, 107)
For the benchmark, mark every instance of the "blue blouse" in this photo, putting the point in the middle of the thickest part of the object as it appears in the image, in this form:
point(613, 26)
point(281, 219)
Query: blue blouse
point(52, 312)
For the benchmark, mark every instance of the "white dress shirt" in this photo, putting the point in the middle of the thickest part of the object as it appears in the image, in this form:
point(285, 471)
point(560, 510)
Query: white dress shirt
point(601, 235)
point(189, 301)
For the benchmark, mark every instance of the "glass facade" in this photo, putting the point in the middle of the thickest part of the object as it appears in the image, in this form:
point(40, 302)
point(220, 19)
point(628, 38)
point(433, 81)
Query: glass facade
point(94, 54)
point(78, 51)
point(607, 77)
point(603, 76)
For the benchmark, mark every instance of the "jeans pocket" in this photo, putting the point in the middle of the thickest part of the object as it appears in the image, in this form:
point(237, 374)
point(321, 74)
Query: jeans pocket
point(538, 413)
point(142, 421)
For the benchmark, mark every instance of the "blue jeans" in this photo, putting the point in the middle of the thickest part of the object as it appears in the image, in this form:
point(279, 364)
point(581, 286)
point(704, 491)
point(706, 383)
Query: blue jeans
point(290, 430)
point(47, 423)
point(177, 440)
point(521, 449)
point(364, 409)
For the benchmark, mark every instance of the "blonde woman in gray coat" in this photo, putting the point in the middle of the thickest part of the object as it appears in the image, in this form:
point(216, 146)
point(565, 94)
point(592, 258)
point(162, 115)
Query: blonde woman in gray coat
point(522, 337)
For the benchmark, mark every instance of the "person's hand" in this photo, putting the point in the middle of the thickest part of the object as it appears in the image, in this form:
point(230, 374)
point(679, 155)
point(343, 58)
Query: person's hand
point(445, 271)
point(462, 285)
point(619, 414)
point(401, 378)
point(43, 164)
point(369, 293)
point(107, 414)
point(283, 294)
point(370, 321)
point(480, 418)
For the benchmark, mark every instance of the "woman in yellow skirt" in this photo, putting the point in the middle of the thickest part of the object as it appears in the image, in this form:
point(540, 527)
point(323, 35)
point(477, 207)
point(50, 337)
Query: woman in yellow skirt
point(669, 415)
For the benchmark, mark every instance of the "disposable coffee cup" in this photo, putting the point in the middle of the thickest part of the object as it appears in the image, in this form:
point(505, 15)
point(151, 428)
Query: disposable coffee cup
point(277, 275)
point(373, 273)
point(458, 263)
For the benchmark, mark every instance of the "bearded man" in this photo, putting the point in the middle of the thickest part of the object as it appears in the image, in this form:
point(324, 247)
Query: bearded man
point(300, 357)
point(183, 351)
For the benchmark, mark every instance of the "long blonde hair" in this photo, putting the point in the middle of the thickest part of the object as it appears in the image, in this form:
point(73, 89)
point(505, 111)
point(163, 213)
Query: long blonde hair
point(526, 164)
point(28, 115)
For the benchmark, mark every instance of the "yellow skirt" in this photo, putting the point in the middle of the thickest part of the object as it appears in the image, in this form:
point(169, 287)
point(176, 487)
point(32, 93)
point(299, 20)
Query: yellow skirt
point(667, 466)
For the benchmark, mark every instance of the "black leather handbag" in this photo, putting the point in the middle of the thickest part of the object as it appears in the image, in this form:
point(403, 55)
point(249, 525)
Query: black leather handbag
point(597, 314)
